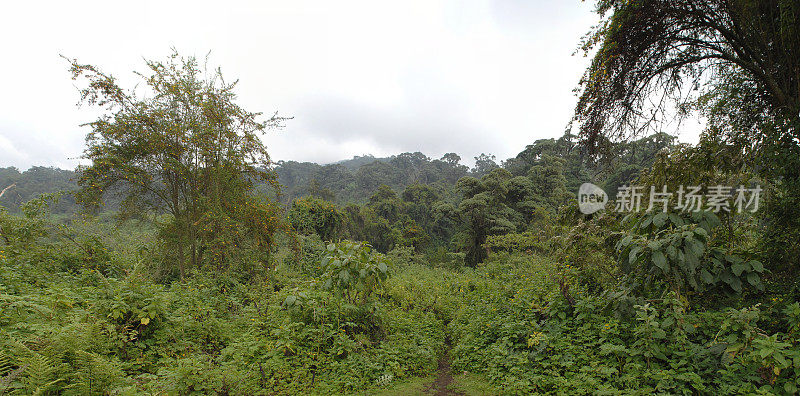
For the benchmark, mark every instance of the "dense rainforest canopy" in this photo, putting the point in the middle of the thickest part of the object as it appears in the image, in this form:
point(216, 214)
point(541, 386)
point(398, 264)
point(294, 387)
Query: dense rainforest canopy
point(183, 260)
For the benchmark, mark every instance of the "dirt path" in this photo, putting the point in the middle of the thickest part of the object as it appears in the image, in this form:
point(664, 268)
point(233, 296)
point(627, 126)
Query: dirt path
point(444, 378)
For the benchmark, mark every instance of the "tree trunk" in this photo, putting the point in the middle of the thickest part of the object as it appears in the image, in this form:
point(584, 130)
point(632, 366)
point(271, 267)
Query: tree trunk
point(7, 188)
point(181, 261)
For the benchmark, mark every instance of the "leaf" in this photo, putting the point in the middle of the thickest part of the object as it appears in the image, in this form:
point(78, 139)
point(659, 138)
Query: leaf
point(734, 348)
point(697, 246)
point(145, 321)
point(692, 281)
point(717, 263)
point(609, 348)
point(660, 261)
point(738, 268)
point(707, 277)
point(732, 258)
point(660, 219)
point(757, 266)
point(632, 256)
point(736, 284)
point(753, 278)
point(700, 231)
point(781, 360)
point(712, 219)
point(675, 219)
point(726, 276)
point(691, 261)
point(672, 252)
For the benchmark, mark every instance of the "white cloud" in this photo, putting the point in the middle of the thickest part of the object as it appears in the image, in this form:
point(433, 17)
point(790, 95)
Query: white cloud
point(358, 76)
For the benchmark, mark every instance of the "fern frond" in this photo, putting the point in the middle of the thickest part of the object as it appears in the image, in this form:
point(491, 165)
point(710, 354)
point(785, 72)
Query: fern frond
point(6, 365)
point(40, 374)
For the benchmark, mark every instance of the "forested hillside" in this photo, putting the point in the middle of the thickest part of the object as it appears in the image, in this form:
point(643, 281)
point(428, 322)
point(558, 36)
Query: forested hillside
point(23, 186)
point(409, 200)
point(356, 179)
point(182, 260)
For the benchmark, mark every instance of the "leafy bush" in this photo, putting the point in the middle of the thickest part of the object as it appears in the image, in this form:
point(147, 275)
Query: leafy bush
point(308, 261)
point(354, 270)
point(313, 215)
point(84, 310)
point(673, 249)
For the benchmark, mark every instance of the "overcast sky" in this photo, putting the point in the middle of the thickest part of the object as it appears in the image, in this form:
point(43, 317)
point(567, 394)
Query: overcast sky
point(372, 77)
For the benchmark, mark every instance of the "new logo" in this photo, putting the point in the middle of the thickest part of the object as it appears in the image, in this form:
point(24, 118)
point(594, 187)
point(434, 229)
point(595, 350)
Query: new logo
point(591, 198)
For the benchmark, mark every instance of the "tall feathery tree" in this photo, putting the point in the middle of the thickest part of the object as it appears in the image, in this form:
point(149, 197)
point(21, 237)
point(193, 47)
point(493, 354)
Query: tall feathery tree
point(184, 148)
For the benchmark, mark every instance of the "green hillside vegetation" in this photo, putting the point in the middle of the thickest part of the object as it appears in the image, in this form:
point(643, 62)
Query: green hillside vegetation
point(183, 260)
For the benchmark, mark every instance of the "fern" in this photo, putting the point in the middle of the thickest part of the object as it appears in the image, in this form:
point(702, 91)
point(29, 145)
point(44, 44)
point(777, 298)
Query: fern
point(6, 365)
point(40, 374)
point(7, 372)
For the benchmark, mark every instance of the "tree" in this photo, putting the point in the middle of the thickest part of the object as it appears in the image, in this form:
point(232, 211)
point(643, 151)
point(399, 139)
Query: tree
point(385, 203)
point(187, 150)
point(737, 61)
point(451, 168)
point(371, 176)
point(484, 212)
point(484, 164)
point(418, 202)
point(312, 215)
point(19, 187)
point(410, 166)
point(652, 50)
point(316, 190)
point(451, 158)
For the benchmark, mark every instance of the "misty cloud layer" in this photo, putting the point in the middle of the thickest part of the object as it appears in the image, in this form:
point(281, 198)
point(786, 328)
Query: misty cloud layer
point(358, 77)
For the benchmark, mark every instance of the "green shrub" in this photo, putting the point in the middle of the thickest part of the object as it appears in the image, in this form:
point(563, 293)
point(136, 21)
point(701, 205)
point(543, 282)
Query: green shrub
point(674, 249)
point(312, 215)
point(354, 270)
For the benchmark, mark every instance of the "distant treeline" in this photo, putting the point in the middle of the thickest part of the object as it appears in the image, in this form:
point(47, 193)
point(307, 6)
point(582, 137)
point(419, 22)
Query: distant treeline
point(23, 186)
point(357, 179)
